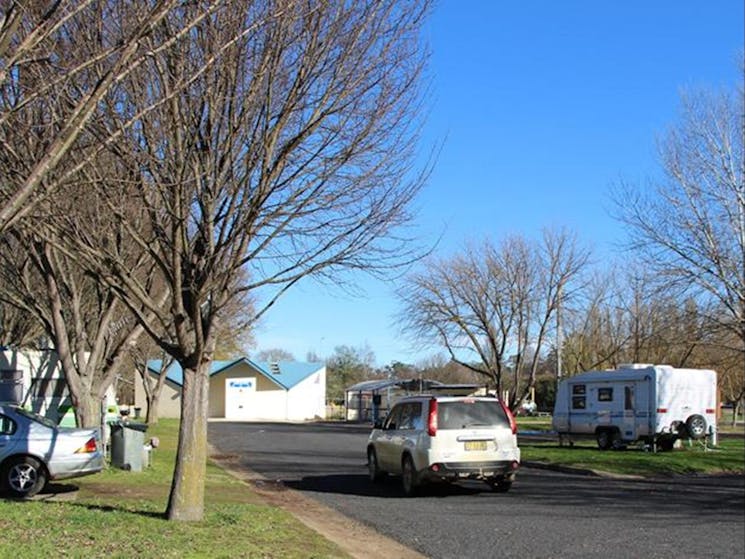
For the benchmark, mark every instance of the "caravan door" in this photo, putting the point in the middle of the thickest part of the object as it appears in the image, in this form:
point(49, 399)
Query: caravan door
point(628, 420)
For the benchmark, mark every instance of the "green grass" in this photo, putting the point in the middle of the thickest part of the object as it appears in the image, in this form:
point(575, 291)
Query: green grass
point(527, 423)
point(120, 514)
point(727, 457)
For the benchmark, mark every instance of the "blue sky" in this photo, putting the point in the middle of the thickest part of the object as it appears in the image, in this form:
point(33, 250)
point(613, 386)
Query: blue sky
point(541, 106)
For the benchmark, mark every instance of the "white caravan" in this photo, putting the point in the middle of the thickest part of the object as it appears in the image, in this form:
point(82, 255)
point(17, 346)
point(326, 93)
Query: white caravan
point(653, 403)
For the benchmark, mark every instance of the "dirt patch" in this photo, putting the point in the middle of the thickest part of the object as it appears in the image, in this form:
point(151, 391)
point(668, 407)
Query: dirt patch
point(353, 537)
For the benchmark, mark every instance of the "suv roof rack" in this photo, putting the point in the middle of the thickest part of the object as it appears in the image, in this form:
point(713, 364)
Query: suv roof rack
point(457, 390)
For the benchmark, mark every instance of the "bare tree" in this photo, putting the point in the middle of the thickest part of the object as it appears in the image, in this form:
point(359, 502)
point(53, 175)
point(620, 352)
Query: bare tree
point(624, 316)
point(441, 368)
point(88, 325)
point(491, 307)
point(284, 147)
point(140, 355)
point(18, 328)
point(689, 228)
point(58, 60)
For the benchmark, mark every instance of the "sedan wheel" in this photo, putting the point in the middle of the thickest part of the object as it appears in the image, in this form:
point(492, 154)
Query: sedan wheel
point(372, 466)
point(409, 478)
point(24, 476)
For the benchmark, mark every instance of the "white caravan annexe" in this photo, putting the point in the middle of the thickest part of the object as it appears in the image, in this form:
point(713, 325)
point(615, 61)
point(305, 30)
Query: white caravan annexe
point(242, 389)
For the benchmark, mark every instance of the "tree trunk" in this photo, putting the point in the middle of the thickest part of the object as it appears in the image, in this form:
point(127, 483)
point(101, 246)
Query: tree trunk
point(88, 411)
point(186, 501)
point(153, 401)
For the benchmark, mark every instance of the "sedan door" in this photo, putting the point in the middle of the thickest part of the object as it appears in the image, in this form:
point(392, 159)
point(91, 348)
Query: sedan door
point(7, 441)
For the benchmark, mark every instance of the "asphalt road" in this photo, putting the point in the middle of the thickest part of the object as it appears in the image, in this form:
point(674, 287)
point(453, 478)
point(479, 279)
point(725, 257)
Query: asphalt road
point(546, 514)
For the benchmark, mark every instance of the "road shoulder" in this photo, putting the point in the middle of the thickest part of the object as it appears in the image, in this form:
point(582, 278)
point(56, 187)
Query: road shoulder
point(356, 539)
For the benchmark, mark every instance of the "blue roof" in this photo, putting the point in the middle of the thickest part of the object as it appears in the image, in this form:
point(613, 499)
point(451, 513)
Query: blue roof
point(290, 373)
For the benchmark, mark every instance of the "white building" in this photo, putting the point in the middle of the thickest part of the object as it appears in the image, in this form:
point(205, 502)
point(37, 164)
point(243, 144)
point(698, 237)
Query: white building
point(242, 389)
point(34, 379)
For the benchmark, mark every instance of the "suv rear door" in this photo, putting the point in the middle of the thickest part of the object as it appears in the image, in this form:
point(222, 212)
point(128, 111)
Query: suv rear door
point(474, 429)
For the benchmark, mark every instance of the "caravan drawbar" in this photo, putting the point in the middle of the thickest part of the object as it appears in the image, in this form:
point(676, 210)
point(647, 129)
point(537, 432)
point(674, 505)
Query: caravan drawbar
point(656, 404)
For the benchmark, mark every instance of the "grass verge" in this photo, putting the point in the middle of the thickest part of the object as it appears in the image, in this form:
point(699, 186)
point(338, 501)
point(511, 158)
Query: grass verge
point(728, 457)
point(120, 514)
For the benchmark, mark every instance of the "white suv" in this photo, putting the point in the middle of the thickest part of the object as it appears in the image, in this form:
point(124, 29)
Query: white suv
point(441, 438)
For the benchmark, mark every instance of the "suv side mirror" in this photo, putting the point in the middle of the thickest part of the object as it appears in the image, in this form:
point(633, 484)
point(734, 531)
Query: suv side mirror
point(378, 424)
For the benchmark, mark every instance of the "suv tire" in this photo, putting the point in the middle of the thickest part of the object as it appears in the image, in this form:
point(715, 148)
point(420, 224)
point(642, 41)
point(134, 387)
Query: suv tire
point(372, 466)
point(409, 477)
point(500, 485)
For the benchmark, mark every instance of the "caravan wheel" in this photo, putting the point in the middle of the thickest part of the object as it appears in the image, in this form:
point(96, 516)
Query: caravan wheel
point(696, 426)
point(606, 438)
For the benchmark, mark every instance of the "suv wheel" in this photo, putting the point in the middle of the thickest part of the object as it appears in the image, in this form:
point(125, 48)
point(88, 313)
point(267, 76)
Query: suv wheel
point(372, 466)
point(409, 478)
point(500, 485)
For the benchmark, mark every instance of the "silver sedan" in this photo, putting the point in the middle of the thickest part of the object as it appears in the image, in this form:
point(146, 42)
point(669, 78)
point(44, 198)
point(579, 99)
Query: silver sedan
point(34, 450)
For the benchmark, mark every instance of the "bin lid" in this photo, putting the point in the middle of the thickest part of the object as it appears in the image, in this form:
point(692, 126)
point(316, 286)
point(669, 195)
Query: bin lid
point(136, 426)
point(129, 425)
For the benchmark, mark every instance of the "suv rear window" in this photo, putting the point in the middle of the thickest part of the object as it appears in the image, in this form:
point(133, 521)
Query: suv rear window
point(470, 413)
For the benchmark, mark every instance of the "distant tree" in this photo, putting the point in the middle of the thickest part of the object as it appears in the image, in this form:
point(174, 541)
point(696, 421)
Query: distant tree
point(347, 366)
point(140, 354)
point(398, 369)
point(313, 357)
point(275, 354)
point(625, 316)
point(441, 368)
point(491, 306)
point(689, 227)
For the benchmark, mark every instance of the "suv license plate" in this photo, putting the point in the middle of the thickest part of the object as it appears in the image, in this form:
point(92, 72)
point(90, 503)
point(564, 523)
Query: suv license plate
point(475, 445)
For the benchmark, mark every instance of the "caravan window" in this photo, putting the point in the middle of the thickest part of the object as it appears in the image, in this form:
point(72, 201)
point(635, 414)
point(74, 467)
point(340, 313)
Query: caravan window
point(578, 397)
point(605, 394)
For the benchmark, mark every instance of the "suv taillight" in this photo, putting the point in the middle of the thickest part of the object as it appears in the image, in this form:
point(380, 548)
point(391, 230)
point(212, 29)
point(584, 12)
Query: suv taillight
point(432, 418)
point(513, 423)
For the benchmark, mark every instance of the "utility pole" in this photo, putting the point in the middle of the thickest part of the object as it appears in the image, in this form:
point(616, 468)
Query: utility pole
point(558, 336)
